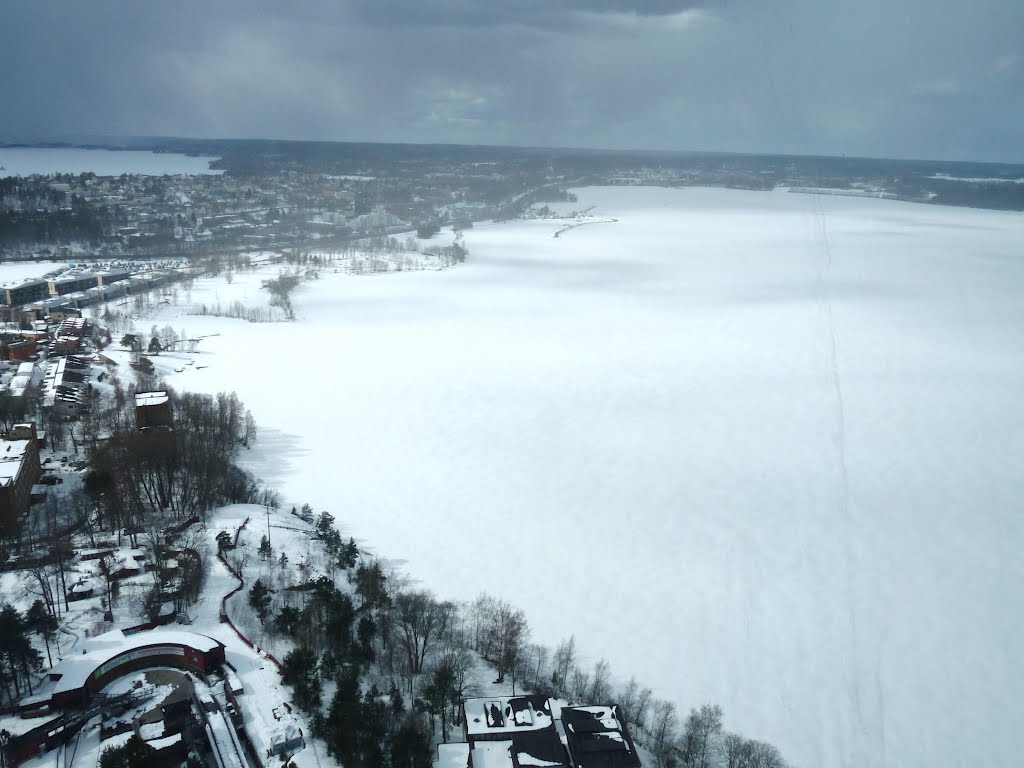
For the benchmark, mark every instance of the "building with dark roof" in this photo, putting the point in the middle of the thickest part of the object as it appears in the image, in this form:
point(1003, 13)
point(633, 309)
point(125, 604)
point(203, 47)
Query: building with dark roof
point(153, 411)
point(512, 732)
point(25, 293)
point(112, 276)
point(597, 737)
point(530, 731)
point(62, 286)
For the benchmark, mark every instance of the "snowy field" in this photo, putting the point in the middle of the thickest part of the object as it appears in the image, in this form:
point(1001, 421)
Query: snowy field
point(760, 449)
point(26, 161)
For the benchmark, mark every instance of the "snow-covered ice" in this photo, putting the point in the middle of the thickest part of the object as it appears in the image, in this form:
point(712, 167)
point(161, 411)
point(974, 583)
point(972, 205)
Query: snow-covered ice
point(26, 161)
point(16, 272)
point(757, 449)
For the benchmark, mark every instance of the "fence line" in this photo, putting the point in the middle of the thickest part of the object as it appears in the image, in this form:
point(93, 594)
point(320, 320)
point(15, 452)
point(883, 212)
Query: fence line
point(225, 618)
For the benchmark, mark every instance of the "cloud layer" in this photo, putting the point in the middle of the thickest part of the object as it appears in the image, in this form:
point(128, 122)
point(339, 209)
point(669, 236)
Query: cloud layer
point(918, 78)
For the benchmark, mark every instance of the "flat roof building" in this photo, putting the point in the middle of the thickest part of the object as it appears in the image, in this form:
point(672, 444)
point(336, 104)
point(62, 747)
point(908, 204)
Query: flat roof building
point(597, 737)
point(62, 286)
point(529, 731)
point(153, 410)
point(27, 292)
point(19, 471)
point(512, 732)
point(112, 276)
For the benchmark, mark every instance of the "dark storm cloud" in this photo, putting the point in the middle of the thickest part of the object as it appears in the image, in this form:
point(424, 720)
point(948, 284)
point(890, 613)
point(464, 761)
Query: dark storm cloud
point(925, 78)
point(549, 14)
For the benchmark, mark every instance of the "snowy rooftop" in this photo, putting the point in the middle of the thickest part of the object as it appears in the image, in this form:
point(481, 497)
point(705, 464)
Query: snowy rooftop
point(150, 731)
point(492, 754)
point(82, 585)
point(454, 755)
point(513, 715)
point(16, 725)
point(11, 454)
point(150, 398)
point(26, 282)
point(75, 669)
point(166, 741)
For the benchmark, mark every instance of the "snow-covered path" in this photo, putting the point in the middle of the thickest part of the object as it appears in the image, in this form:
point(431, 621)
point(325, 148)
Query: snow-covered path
point(263, 702)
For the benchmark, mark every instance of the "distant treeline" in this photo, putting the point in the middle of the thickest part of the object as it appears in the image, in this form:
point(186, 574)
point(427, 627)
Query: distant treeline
point(1005, 195)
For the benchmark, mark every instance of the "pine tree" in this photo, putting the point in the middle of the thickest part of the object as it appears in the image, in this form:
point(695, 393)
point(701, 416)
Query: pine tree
point(343, 718)
point(135, 753)
point(287, 620)
point(410, 745)
point(259, 599)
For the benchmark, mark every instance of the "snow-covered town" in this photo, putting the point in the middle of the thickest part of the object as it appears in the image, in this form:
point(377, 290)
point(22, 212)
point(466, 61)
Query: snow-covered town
point(473, 458)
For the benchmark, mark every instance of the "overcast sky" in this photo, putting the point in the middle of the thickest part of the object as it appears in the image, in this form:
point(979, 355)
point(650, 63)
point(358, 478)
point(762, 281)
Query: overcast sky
point(897, 78)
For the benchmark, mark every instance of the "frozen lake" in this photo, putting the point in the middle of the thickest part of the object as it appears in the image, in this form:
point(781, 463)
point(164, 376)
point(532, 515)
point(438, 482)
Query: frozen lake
point(13, 272)
point(26, 161)
point(760, 449)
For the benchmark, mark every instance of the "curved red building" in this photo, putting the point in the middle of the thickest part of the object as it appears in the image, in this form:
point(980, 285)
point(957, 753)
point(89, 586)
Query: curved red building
point(113, 654)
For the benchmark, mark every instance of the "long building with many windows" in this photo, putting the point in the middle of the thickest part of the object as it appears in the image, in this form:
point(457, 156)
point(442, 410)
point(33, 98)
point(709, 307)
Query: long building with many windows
point(19, 470)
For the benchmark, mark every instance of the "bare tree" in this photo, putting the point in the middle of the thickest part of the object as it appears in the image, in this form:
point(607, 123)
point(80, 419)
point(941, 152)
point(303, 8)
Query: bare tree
point(416, 624)
point(564, 662)
point(144, 601)
point(700, 734)
point(500, 634)
point(627, 700)
point(663, 731)
point(43, 583)
point(448, 612)
point(250, 429)
point(600, 685)
point(541, 679)
point(759, 754)
point(449, 684)
point(82, 514)
point(643, 704)
point(154, 532)
point(580, 684)
point(56, 430)
point(193, 544)
point(481, 617)
point(513, 633)
point(734, 750)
